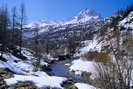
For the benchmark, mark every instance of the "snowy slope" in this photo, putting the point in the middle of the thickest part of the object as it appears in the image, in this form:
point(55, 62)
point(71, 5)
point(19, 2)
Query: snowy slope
point(128, 21)
point(91, 45)
point(16, 65)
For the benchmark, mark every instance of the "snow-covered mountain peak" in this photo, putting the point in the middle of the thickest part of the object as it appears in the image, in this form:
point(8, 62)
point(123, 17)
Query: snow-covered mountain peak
point(88, 12)
point(84, 16)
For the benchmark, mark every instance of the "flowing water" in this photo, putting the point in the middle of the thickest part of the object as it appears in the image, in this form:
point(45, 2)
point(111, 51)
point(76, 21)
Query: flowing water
point(61, 68)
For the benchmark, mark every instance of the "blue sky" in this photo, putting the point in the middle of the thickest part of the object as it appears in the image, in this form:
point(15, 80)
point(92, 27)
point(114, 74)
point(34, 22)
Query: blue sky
point(63, 9)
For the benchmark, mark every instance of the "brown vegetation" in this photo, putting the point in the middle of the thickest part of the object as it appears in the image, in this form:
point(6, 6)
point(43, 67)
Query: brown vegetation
point(97, 56)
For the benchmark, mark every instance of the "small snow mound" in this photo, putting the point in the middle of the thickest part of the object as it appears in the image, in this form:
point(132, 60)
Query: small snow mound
point(84, 86)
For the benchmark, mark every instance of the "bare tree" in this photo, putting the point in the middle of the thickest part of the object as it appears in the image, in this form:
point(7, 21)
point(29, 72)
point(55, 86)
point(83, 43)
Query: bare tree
point(4, 23)
point(72, 43)
point(22, 23)
point(14, 17)
point(37, 49)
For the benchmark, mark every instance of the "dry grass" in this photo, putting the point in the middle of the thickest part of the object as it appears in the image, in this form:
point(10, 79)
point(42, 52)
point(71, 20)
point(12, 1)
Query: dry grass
point(97, 56)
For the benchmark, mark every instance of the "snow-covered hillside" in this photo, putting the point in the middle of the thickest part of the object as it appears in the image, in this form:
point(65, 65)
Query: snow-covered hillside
point(128, 21)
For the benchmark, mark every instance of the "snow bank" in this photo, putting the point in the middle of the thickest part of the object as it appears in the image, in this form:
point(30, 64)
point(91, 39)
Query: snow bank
point(79, 66)
point(84, 86)
point(18, 68)
point(40, 79)
point(16, 65)
point(10, 57)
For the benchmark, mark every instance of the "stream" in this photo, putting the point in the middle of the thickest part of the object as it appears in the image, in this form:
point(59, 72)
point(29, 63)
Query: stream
point(61, 68)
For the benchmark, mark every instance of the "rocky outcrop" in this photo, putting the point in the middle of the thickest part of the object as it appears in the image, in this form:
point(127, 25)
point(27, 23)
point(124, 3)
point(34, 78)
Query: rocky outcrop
point(25, 85)
point(4, 74)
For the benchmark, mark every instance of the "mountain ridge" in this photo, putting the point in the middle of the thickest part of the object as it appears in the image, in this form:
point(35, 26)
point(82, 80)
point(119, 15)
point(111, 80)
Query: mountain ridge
point(81, 15)
point(85, 16)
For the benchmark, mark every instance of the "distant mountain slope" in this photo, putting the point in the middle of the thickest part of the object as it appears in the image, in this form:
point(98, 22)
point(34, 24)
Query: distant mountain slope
point(85, 16)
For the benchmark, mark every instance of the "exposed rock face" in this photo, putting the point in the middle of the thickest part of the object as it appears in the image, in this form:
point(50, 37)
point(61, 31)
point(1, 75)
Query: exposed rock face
point(2, 84)
point(73, 87)
point(25, 85)
point(5, 73)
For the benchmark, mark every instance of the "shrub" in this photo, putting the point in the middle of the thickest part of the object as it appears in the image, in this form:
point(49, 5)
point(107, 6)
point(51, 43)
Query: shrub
point(97, 56)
